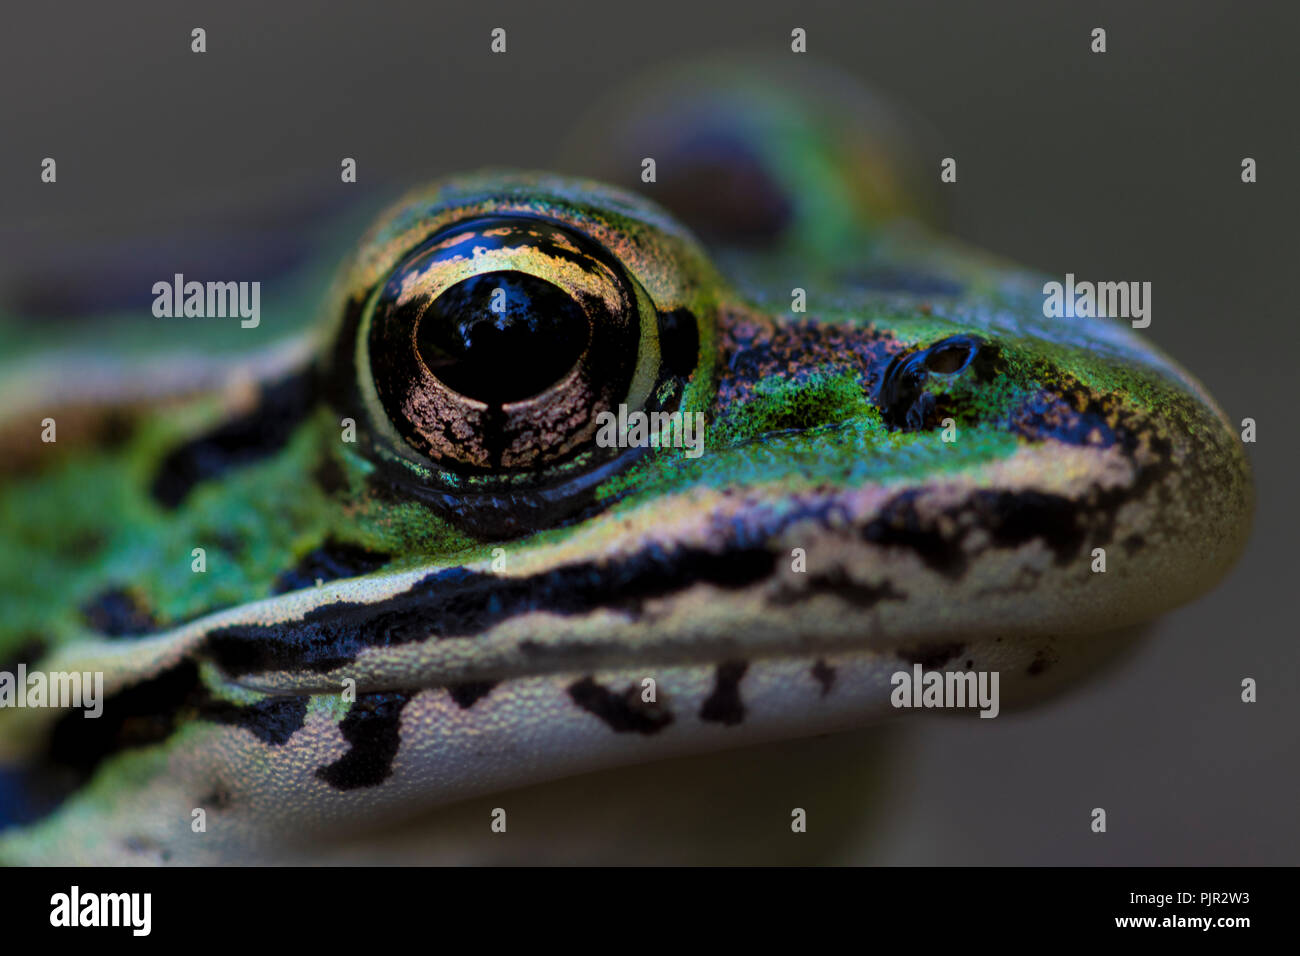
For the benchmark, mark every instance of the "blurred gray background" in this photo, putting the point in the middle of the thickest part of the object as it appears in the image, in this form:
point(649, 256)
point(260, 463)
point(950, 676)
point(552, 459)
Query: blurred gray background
point(1122, 166)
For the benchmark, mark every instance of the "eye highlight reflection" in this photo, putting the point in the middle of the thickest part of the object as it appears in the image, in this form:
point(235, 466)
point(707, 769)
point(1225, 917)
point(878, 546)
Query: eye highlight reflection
point(500, 337)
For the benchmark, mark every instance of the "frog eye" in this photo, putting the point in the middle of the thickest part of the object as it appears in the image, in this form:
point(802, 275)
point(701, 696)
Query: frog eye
point(493, 345)
point(903, 397)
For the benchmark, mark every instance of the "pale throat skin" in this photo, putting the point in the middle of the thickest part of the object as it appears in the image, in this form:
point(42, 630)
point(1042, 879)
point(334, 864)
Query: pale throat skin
point(493, 590)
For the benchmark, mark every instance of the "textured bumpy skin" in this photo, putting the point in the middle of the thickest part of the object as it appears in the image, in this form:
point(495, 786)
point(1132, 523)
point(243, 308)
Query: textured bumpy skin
point(498, 625)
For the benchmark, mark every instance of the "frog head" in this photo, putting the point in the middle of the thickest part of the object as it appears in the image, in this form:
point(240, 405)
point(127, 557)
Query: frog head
point(549, 487)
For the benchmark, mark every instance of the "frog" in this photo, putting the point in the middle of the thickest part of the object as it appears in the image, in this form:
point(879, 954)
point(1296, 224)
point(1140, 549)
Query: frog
point(379, 553)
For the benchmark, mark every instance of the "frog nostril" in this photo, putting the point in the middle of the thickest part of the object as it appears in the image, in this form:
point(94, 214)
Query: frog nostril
point(902, 397)
point(950, 356)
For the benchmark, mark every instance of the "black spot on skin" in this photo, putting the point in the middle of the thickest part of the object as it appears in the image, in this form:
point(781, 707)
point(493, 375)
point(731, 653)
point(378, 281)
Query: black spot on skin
point(228, 541)
point(1010, 518)
point(457, 602)
point(679, 342)
point(241, 441)
point(468, 693)
point(330, 562)
point(216, 801)
point(29, 793)
point(273, 720)
point(837, 582)
point(330, 476)
point(900, 524)
point(373, 728)
point(117, 612)
point(931, 656)
point(115, 430)
point(969, 663)
point(136, 716)
point(1038, 665)
point(625, 712)
point(724, 705)
point(824, 675)
point(149, 712)
point(1073, 414)
point(1023, 516)
point(1133, 544)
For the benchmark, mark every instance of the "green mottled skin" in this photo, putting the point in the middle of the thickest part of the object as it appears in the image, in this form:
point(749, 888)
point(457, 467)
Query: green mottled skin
point(792, 428)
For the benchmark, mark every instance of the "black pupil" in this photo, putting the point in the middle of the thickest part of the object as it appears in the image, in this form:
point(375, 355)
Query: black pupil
point(500, 337)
